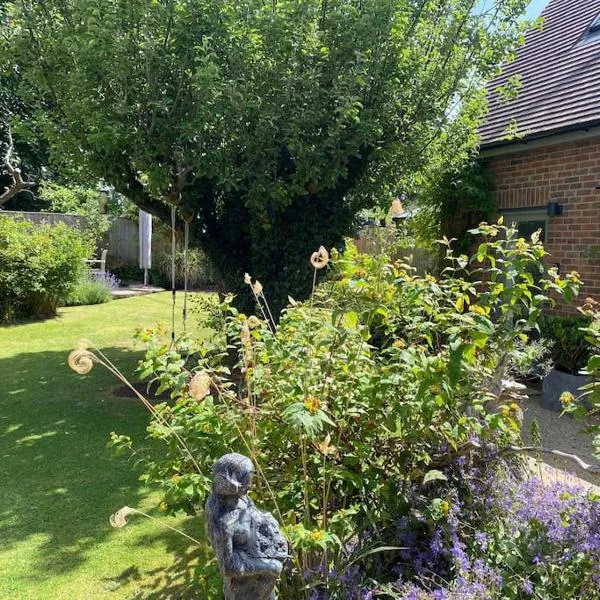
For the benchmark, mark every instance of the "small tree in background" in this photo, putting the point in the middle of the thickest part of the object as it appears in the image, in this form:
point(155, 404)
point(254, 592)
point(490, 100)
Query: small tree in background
point(267, 124)
point(457, 200)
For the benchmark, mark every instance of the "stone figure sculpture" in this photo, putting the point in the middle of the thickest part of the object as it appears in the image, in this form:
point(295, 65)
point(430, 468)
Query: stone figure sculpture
point(248, 543)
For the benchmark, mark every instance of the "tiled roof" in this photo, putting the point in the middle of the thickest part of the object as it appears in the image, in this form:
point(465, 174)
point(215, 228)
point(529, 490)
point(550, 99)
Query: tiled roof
point(559, 68)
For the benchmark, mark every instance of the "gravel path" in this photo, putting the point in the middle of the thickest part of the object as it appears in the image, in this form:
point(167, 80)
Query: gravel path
point(560, 433)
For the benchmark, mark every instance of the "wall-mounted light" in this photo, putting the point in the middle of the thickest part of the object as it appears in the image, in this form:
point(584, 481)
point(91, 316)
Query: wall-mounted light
point(555, 209)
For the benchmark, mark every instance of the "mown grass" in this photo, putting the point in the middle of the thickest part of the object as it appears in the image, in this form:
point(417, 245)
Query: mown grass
point(58, 480)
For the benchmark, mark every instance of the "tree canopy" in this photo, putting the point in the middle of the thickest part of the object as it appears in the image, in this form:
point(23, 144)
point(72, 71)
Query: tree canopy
point(267, 124)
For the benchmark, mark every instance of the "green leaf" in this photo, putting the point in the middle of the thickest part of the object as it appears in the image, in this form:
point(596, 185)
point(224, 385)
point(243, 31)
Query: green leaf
point(351, 319)
point(459, 304)
point(434, 475)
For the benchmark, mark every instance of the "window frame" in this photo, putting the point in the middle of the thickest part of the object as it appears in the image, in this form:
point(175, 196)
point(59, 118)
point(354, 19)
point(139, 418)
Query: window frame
point(534, 213)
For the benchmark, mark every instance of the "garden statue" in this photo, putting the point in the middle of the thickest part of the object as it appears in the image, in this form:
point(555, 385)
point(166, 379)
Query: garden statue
point(248, 543)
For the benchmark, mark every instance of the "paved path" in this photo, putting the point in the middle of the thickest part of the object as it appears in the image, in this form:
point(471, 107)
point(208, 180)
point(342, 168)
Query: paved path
point(135, 290)
point(561, 433)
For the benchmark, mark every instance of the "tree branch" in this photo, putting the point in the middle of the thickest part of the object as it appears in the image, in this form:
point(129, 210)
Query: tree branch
point(17, 185)
point(538, 449)
point(471, 445)
point(132, 189)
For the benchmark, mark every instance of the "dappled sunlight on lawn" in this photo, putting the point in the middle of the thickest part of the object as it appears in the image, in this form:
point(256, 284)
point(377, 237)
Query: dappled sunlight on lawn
point(58, 480)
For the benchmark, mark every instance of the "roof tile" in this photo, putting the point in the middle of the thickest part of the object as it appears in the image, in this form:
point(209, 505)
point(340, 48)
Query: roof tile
point(560, 74)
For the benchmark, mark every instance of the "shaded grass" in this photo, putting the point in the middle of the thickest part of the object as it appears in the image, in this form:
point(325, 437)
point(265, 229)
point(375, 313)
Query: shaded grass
point(58, 480)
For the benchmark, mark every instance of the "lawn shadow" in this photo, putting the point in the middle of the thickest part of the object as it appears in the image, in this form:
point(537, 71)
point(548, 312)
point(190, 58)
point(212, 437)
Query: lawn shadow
point(58, 480)
point(194, 572)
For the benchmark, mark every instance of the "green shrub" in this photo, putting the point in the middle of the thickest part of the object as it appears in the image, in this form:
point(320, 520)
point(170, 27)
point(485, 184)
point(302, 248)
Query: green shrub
point(350, 433)
point(568, 345)
point(39, 266)
point(89, 291)
point(199, 268)
point(77, 200)
point(589, 401)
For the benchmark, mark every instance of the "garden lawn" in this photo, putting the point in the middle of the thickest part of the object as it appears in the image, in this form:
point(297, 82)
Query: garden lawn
point(58, 480)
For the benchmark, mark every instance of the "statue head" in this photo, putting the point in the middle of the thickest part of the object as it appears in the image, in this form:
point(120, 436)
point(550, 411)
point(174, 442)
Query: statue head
point(232, 475)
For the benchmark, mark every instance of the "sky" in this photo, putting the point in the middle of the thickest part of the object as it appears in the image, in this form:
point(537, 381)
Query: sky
point(535, 8)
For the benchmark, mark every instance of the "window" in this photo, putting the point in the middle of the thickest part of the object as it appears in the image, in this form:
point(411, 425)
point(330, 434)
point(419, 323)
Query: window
point(528, 221)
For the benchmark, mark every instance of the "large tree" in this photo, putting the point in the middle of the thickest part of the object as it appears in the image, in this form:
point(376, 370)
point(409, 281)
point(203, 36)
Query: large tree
point(268, 124)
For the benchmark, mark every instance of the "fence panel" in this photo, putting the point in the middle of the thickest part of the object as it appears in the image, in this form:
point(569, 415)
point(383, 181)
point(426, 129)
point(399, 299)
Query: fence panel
point(369, 243)
point(51, 218)
point(123, 241)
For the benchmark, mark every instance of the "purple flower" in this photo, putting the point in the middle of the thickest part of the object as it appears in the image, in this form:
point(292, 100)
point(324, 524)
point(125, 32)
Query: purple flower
point(482, 540)
point(528, 587)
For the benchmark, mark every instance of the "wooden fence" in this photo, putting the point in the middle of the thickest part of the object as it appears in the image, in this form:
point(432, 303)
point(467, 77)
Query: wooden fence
point(123, 241)
point(372, 242)
point(123, 234)
point(51, 218)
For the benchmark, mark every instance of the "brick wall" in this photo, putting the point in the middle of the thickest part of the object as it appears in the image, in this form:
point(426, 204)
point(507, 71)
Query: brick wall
point(567, 173)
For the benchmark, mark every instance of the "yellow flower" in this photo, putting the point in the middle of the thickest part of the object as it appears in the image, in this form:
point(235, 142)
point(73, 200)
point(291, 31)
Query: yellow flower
point(435, 389)
point(567, 398)
point(430, 278)
point(477, 309)
point(317, 535)
point(445, 507)
point(521, 245)
point(312, 404)
point(320, 258)
point(399, 343)
point(163, 507)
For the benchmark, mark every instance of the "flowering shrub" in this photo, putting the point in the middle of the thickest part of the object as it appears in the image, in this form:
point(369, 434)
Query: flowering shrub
point(546, 545)
point(373, 413)
point(40, 264)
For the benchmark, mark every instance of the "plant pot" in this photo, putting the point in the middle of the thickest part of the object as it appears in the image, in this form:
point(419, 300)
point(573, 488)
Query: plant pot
point(557, 382)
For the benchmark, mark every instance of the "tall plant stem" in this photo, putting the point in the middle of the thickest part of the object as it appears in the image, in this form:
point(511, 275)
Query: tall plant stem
point(325, 493)
point(107, 364)
point(185, 535)
point(314, 286)
point(306, 481)
point(269, 311)
point(262, 310)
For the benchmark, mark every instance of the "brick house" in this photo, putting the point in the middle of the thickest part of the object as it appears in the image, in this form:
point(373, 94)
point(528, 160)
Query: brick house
point(544, 146)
